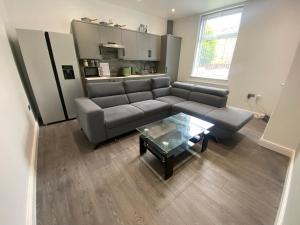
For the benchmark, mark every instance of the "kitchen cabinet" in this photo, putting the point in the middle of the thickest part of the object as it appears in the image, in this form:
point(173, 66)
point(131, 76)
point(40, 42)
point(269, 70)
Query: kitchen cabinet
point(87, 39)
point(154, 45)
point(148, 46)
point(142, 45)
point(138, 46)
point(110, 34)
point(170, 54)
point(129, 40)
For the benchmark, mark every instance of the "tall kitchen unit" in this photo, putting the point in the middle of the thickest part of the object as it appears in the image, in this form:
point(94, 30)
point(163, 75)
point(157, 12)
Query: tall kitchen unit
point(51, 71)
point(170, 54)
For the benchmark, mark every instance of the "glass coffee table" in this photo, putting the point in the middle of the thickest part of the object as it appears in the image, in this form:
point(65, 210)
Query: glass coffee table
point(169, 137)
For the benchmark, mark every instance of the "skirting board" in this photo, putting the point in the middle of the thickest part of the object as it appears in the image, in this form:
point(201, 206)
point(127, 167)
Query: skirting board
point(31, 189)
point(285, 192)
point(286, 189)
point(276, 147)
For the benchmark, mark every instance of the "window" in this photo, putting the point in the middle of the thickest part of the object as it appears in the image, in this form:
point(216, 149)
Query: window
point(216, 44)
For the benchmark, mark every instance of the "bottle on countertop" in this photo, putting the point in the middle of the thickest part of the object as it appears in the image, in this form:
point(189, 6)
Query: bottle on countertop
point(85, 63)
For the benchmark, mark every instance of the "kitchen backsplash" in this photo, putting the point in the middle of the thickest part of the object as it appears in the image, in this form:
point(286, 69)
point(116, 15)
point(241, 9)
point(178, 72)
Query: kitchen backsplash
point(116, 64)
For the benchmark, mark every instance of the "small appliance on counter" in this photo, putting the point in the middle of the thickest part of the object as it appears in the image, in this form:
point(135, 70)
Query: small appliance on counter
point(94, 68)
point(91, 71)
point(90, 68)
point(126, 71)
point(104, 68)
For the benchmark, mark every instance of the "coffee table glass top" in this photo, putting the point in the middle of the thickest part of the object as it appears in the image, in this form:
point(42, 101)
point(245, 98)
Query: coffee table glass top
point(171, 132)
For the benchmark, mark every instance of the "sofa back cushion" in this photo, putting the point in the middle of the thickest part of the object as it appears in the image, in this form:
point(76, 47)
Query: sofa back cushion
point(181, 93)
point(182, 85)
point(110, 101)
point(161, 86)
point(160, 92)
point(160, 82)
point(138, 90)
point(107, 94)
point(105, 89)
point(209, 95)
point(181, 89)
point(208, 99)
point(211, 90)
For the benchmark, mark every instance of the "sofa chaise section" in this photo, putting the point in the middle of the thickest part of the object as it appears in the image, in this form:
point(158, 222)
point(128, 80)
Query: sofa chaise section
point(228, 120)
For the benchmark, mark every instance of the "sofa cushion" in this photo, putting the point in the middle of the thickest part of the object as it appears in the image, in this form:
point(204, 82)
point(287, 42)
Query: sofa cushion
point(229, 118)
point(179, 92)
point(104, 89)
point(152, 106)
point(159, 92)
point(160, 82)
point(139, 96)
point(138, 90)
point(110, 101)
point(137, 85)
point(193, 108)
point(170, 99)
point(182, 85)
point(117, 115)
point(208, 99)
point(211, 90)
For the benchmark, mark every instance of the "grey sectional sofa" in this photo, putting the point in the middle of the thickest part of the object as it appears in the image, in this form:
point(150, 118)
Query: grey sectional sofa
point(115, 108)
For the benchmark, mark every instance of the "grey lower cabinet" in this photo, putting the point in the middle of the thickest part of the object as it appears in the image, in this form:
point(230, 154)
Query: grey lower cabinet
point(129, 40)
point(110, 34)
point(87, 38)
point(170, 54)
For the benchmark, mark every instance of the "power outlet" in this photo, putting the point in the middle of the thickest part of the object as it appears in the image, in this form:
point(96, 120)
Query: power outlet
point(250, 95)
point(258, 97)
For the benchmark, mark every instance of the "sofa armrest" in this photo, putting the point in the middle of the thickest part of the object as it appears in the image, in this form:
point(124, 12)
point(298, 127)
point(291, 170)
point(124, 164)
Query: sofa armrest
point(91, 119)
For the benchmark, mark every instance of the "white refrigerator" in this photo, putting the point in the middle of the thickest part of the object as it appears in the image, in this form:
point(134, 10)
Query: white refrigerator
point(52, 72)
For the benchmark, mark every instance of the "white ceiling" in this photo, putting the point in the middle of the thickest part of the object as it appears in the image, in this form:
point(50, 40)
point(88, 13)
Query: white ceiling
point(162, 8)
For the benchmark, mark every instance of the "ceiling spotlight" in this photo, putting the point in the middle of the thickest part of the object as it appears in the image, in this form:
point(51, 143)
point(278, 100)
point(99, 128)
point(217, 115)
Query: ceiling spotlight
point(173, 10)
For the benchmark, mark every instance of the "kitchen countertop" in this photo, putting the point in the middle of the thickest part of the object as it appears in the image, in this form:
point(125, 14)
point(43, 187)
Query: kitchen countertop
point(95, 79)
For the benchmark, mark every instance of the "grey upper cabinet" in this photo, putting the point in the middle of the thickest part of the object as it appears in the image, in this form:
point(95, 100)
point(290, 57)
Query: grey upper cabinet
point(170, 55)
point(87, 38)
point(142, 44)
point(110, 34)
point(154, 45)
point(148, 46)
point(138, 46)
point(129, 40)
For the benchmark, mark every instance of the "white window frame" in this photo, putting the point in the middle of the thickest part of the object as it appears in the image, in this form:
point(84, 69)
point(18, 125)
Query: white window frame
point(203, 18)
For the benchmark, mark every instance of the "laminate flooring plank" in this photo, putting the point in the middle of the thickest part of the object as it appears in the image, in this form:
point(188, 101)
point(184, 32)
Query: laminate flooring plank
point(235, 182)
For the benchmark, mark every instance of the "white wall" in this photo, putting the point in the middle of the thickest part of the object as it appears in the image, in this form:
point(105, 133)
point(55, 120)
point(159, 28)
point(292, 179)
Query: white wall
point(187, 28)
point(284, 125)
point(16, 136)
point(283, 130)
point(56, 15)
point(266, 45)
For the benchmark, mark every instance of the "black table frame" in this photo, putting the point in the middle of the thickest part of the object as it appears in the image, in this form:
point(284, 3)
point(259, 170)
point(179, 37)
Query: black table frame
point(167, 159)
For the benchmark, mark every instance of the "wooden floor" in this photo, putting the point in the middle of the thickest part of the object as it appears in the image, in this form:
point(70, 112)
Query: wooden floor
point(237, 182)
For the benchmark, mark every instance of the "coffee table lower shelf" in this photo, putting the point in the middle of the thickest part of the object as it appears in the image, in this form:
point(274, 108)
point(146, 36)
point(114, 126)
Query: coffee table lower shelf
point(167, 160)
